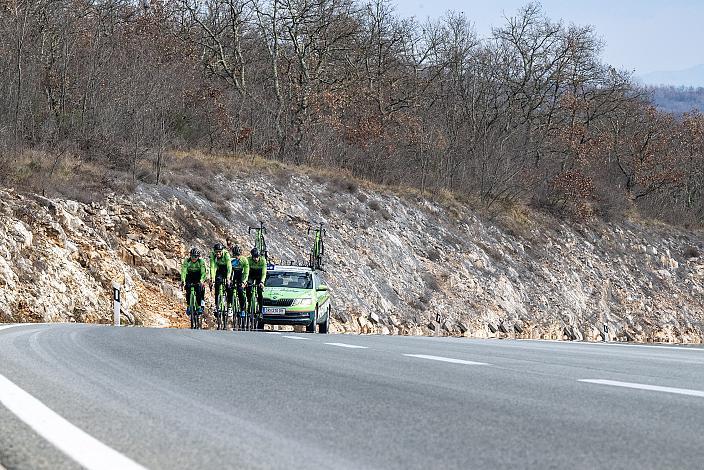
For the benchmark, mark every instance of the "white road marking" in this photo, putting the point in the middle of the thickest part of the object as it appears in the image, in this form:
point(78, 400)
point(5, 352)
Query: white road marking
point(661, 346)
point(345, 345)
point(654, 388)
point(12, 325)
point(447, 359)
point(294, 337)
point(272, 332)
point(72, 441)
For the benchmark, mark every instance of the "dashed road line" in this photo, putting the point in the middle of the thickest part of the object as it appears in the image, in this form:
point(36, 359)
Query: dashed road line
point(447, 359)
point(72, 441)
point(654, 388)
point(272, 332)
point(294, 337)
point(346, 345)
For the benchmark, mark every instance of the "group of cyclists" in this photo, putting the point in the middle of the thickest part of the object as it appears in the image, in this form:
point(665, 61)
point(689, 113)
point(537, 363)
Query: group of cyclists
point(227, 267)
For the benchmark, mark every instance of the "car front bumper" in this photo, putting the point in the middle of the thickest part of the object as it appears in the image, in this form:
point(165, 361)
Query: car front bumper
point(289, 318)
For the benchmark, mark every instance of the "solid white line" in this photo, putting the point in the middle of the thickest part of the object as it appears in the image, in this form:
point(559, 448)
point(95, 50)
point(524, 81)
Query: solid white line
point(661, 346)
point(272, 332)
point(345, 345)
point(655, 388)
point(447, 359)
point(294, 337)
point(72, 441)
point(12, 325)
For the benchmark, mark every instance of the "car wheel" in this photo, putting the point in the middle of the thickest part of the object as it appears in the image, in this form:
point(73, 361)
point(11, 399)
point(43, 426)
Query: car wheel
point(310, 328)
point(323, 327)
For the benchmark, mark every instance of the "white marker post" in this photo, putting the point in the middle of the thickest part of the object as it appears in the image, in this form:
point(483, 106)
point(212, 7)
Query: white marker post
point(116, 302)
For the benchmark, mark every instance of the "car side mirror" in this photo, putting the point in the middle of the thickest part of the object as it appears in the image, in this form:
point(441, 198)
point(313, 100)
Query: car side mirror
point(322, 287)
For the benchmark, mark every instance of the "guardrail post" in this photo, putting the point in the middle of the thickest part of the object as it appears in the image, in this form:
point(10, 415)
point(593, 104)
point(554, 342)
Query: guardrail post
point(116, 288)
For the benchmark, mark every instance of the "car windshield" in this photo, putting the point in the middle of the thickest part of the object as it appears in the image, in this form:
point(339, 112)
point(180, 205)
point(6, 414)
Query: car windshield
point(293, 280)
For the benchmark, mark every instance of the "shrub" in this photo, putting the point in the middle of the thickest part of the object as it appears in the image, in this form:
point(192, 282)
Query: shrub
point(434, 255)
point(692, 252)
point(431, 282)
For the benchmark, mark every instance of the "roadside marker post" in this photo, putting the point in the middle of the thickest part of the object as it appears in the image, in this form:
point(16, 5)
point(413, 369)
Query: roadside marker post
point(116, 302)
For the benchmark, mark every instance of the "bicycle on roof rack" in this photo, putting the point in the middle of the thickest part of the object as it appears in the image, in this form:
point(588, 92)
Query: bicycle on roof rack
point(317, 252)
point(259, 240)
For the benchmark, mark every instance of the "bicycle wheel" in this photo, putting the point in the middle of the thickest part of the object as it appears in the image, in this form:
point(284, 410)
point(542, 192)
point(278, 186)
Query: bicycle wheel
point(192, 308)
point(235, 308)
point(252, 309)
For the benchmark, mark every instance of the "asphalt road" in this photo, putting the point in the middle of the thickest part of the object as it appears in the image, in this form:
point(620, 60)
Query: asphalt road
point(169, 399)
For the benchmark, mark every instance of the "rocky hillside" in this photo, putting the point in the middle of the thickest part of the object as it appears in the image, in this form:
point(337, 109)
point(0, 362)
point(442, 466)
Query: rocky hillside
point(398, 263)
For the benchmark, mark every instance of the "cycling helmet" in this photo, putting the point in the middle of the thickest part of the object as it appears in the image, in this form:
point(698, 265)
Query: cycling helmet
point(195, 253)
point(254, 253)
point(218, 247)
point(236, 250)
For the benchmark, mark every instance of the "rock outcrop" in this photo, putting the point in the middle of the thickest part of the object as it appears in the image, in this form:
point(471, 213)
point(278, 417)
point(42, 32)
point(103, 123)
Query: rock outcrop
point(397, 264)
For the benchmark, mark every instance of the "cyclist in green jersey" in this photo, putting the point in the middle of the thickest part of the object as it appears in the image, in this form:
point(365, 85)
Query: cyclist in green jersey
point(257, 275)
point(220, 269)
point(194, 273)
point(240, 274)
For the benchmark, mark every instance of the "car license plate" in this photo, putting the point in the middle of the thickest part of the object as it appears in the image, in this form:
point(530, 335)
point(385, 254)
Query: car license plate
point(274, 311)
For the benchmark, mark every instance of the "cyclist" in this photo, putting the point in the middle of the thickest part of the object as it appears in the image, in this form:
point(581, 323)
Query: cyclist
point(257, 275)
point(220, 269)
point(194, 273)
point(240, 274)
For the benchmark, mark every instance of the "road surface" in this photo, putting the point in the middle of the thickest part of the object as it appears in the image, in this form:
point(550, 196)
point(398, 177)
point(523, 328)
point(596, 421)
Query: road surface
point(167, 399)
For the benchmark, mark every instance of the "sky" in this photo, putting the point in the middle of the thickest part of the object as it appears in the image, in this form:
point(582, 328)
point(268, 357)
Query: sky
point(642, 36)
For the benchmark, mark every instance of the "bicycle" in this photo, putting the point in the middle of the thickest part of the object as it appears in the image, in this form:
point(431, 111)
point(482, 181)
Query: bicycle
point(318, 250)
point(253, 308)
point(221, 313)
point(192, 310)
point(259, 241)
point(235, 307)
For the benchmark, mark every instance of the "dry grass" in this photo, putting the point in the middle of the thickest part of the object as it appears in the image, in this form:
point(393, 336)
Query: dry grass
point(515, 219)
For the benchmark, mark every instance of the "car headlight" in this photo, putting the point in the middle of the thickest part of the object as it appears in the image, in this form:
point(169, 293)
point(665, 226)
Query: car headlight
point(303, 302)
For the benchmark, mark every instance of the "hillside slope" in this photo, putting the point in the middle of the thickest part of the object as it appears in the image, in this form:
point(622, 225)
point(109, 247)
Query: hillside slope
point(397, 263)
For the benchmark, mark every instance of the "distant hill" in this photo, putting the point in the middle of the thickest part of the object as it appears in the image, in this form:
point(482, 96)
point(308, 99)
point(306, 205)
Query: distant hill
point(677, 100)
point(691, 77)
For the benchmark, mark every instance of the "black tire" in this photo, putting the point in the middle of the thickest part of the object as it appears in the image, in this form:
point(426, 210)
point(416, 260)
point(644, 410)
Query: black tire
point(310, 328)
point(321, 255)
point(252, 313)
point(325, 326)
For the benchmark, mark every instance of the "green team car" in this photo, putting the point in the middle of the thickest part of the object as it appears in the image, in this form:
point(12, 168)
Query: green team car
point(296, 295)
